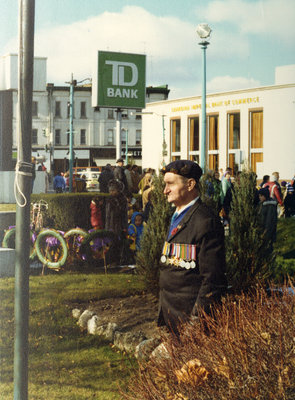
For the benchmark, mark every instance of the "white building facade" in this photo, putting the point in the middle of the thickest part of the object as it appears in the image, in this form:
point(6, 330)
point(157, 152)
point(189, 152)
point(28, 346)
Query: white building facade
point(253, 127)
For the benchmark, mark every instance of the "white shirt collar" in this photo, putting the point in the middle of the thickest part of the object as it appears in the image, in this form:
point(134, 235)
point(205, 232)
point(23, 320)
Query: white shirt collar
point(186, 206)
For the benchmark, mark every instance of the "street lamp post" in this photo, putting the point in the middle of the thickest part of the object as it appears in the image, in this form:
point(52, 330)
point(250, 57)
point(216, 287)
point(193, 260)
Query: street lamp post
point(72, 83)
point(204, 31)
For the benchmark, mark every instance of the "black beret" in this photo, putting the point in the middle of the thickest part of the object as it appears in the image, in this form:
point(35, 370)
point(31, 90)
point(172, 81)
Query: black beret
point(186, 168)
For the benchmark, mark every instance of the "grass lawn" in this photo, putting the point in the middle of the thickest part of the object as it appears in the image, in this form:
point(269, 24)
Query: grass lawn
point(64, 362)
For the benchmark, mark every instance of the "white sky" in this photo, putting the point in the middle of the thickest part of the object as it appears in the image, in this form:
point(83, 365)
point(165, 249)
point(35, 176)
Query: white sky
point(250, 38)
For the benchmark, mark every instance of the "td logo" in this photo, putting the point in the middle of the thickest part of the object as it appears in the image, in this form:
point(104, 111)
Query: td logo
point(120, 80)
point(118, 73)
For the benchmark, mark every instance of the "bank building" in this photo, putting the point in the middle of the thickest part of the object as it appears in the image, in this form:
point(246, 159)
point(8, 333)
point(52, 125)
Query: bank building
point(249, 127)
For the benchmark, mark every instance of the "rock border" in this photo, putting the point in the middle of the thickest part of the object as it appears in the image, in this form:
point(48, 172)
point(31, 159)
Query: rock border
point(136, 343)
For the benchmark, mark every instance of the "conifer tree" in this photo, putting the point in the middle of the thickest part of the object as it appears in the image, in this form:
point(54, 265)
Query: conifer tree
point(248, 256)
point(154, 235)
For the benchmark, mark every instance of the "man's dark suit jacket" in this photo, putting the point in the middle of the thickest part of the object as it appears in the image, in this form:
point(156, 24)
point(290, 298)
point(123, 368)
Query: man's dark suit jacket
point(184, 291)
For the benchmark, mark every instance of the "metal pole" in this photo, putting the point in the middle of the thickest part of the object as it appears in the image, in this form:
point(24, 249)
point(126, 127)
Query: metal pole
point(72, 84)
point(164, 145)
point(118, 133)
point(24, 186)
point(204, 122)
point(126, 154)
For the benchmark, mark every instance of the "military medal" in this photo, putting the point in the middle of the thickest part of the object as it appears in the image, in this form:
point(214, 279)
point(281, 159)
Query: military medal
point(192, 264)
point(163, 259)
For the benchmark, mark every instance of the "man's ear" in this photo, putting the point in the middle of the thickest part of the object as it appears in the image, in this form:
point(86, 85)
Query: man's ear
point(191, 184)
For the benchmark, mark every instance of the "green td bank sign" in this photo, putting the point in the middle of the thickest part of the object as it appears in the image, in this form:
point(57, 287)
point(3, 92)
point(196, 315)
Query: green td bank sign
point(120, 80)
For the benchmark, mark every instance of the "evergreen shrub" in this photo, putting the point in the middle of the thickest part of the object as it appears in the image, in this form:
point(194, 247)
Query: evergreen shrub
point(154, 235)
point(67, 210)
point(249, 258)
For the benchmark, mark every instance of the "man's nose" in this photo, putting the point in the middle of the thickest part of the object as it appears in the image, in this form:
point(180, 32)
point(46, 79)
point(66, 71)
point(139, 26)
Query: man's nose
point(165, 190)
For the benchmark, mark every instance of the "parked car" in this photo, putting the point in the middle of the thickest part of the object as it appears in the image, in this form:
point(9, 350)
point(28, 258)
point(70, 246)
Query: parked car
point(91, 178)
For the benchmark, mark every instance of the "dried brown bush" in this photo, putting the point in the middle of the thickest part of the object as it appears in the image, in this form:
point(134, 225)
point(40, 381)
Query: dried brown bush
point(247, 352)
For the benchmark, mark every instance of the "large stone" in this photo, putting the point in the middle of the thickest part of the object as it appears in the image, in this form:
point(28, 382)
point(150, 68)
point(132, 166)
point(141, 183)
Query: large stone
point(127, 341)
point(145, 348)
point(93, 324)
point(110, 331)
point(76, 313)
point(84, 317)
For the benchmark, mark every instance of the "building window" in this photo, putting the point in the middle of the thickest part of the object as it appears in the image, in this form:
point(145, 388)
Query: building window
point(110, 114)
point(35, 109)
point(256, 138)
point(123, 136)
point(175, 139)
point(34, 136)
point(138, 116)
point(234, 153)
point(83, 136)
point(83, 109)
point(57, 109)
point(194, 138)
point(138, 137)
point(110, 137)
point(213, 143)
point(68, 138)
point(125, 114)
point(57, 139)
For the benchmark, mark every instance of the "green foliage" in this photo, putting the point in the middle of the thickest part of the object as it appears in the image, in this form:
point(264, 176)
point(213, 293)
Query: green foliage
point(284, 266)
point(208, 185)
point(249, 257)
point(65, 363)
point(154, 235)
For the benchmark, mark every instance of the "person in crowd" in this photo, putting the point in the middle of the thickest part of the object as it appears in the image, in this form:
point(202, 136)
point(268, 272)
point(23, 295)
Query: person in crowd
point(268, 216)
point(116, 210)
point(96, 213)
point(135, 229)
point(192, 265)
point(274, 191)
point(225, 184)
point(120, 176)
point(59, 183)
point(148, 207)
point(293, 182)
point(135, 178)
point(289, 201)
point(104, 178)
point(131, 202)
point(145, 180)
point(127, 172)
point(277, 177)
point(265, 180)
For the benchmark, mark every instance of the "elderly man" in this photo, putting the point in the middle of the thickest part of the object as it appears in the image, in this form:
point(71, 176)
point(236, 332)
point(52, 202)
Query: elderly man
point(192, 272)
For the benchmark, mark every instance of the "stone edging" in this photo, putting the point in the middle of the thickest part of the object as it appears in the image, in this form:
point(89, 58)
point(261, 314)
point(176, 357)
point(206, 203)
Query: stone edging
point(134, 343)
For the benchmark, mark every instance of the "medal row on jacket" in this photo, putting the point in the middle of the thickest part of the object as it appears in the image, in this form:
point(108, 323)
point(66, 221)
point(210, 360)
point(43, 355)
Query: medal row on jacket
point(179, 255)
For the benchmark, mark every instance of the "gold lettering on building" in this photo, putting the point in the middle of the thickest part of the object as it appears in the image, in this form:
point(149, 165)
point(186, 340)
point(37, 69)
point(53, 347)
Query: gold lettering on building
point(234, 102)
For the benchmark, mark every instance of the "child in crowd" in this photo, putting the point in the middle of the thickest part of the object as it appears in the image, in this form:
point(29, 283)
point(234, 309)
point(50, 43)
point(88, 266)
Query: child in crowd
point(96, 219)
point(135, 229)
